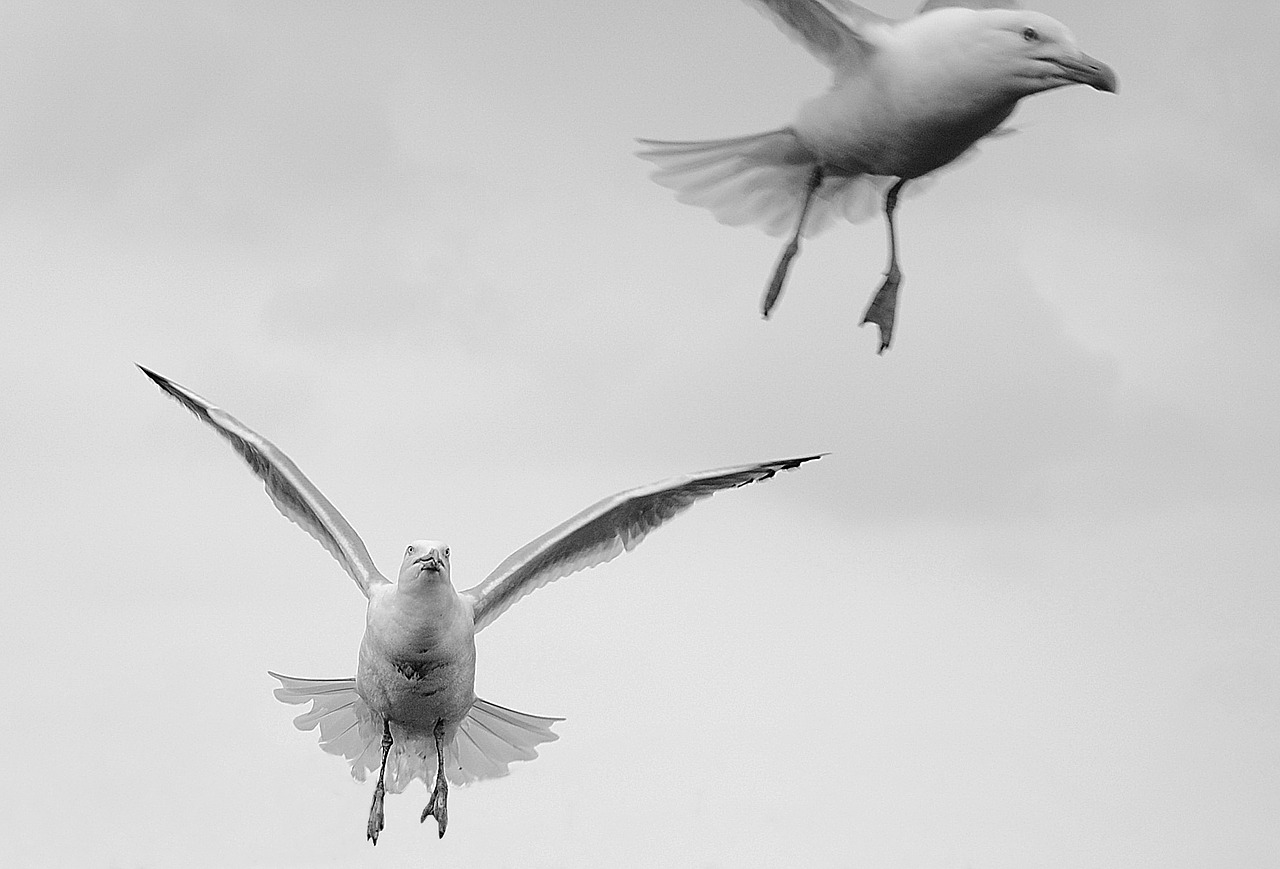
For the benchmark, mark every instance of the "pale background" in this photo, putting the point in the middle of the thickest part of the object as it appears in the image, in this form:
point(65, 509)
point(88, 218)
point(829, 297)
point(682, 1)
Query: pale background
point(1025, 613)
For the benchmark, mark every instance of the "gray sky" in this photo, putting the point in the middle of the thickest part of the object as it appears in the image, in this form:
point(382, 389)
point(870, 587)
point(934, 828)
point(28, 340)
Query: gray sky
point(1024, 615)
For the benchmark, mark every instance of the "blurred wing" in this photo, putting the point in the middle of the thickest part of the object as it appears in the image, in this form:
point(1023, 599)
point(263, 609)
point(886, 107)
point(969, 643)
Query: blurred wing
point(969, 4)
point(834, 31)
point(605, 530)
point(291, 492)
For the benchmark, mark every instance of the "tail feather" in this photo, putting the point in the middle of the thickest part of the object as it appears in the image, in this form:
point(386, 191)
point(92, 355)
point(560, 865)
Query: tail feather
point(760, 180)
point(516, 729)
point(489, 739)
point(345, 723)
point(469, 761)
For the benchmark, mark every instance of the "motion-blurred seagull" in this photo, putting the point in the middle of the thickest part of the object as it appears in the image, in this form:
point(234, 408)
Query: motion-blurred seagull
point(412, 697)
point(908, 97)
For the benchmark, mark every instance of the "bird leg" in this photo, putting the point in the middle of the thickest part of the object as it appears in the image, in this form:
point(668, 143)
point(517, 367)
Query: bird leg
point(437, 806)
point(793, 247)
point(885, 303)
point(375, 811)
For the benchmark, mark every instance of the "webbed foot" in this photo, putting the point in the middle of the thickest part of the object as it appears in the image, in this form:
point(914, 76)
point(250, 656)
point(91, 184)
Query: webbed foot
point(884, 306)
point(437, 806)
point(380, 790)
point(375, 814)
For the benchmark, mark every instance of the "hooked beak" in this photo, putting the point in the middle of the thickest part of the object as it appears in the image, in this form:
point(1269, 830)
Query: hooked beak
point(1084, 69)
point(428, 561)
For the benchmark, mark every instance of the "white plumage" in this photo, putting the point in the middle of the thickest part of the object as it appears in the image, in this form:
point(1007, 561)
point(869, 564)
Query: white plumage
point(411, 706)
point(490, 738)
point(906, 98)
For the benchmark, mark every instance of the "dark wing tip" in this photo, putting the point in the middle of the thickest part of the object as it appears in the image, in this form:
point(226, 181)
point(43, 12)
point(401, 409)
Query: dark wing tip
point(792, 464)
point(155, 378)
point(163, 382)
point(185, 397)
point(167, 386)
point(768, 469)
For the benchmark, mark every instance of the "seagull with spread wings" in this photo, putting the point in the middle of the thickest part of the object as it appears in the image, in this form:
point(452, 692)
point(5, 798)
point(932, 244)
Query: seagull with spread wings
point(411, 711)
point(907, 98)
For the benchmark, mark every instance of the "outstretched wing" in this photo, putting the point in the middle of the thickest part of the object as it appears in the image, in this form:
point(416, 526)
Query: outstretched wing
point(605, 530)
point(291, 492)
point(834, 31)
point(970, 4)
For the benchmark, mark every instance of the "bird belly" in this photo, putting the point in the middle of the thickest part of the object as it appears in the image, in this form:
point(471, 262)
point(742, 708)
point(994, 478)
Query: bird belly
point(929, 143)
point(415, 690)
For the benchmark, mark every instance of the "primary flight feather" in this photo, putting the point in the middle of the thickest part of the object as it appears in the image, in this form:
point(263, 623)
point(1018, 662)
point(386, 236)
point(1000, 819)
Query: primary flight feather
point(907, 98)
point(411, 711)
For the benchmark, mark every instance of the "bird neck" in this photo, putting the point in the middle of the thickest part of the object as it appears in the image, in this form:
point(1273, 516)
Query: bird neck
point(426, 595)
point(409, 619)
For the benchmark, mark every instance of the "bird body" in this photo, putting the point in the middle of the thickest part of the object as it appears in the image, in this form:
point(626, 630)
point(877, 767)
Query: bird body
point(910, 106)
point(411, 711)
point(417, 660)
point(906, 99)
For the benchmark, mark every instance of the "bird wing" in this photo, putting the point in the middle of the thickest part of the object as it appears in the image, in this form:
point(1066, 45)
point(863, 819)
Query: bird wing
point(834, 31)
point(603, 531)
point(293, 494)
point(969, 4)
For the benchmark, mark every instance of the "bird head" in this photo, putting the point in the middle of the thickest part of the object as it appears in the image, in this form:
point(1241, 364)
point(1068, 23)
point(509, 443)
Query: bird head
point(425, 561)
point(1039, 53)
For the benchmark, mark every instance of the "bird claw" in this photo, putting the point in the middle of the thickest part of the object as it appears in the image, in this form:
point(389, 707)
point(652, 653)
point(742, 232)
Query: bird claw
point(375, 816)
point(883, 306)
point(437, 808)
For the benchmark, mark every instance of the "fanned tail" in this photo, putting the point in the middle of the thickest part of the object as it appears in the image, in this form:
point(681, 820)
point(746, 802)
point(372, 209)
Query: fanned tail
point(347, 726)
point(489, 739)
point(760, 180)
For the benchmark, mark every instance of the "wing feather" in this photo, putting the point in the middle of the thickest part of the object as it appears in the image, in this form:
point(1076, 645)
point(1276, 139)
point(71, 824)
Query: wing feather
point(605, 530)
point(293, 494)
point(834, 31)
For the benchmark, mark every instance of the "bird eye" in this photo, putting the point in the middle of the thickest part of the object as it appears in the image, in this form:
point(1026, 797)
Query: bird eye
point(1030, 35)
point(446, 552)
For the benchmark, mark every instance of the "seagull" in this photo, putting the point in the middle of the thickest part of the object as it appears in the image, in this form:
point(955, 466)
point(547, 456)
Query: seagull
point(907, 98)
point(411, 711)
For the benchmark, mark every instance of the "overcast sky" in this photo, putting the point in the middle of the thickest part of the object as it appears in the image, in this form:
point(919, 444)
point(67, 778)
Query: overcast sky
point(1025, 613)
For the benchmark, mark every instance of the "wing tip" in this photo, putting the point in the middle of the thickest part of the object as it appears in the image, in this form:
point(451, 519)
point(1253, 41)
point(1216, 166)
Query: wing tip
point(762, 471)
point(158, 379)
point(193, 402)
point(791, 464)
